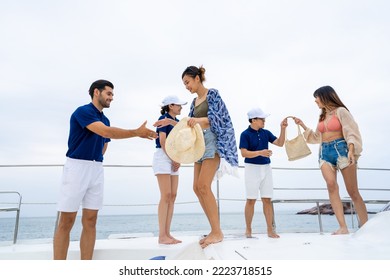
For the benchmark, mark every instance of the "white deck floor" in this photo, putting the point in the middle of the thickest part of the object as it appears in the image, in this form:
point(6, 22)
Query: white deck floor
point(371, 242)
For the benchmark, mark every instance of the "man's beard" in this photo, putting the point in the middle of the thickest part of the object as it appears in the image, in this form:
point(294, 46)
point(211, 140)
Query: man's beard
point(103, 103)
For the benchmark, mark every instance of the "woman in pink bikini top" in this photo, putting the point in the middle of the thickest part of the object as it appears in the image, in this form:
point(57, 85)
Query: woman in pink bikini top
point(340, 147)
point(330, 124)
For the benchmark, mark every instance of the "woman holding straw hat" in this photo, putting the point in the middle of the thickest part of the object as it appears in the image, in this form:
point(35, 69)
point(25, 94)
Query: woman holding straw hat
point(210, 112)
point(166, 170)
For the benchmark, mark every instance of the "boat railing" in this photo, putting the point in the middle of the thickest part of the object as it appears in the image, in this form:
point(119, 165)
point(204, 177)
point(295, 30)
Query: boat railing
point(12, 203)
point(280, 195)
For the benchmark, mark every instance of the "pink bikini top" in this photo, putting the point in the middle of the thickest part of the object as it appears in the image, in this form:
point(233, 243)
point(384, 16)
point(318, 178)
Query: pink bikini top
point(331, 124)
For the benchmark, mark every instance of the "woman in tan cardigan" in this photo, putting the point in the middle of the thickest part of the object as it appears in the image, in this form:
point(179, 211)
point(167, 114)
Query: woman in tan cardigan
point(341, 146)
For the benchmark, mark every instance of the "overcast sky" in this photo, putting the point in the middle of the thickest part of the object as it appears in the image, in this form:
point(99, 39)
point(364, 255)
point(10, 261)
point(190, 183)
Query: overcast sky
point(271, 54)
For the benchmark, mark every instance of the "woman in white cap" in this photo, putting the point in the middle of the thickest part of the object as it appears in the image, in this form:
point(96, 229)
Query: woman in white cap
point(166, 170)
point(210, 112)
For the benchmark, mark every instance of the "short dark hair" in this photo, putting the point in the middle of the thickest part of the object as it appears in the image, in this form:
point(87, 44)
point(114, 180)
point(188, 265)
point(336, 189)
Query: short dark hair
point(100, 85)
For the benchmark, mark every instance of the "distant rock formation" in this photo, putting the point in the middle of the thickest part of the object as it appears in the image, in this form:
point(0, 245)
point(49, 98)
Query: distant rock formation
point(326, 209)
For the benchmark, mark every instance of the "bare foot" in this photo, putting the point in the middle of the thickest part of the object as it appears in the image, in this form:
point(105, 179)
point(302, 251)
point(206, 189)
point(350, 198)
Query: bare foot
point(166, 240)
point(211, 239)
point(273, 234)
point(248, 234)
point(201, 241)
point(341, 231)
point(175, 240)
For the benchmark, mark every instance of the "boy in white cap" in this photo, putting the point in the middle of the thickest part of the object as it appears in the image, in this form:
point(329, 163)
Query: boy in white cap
point(258, 172)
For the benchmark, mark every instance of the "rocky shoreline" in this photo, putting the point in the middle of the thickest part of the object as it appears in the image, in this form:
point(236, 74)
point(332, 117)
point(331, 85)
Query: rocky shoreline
point(326, 209)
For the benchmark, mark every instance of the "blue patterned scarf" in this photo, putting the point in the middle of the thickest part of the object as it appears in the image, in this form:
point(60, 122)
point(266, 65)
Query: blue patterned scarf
point(222, 126)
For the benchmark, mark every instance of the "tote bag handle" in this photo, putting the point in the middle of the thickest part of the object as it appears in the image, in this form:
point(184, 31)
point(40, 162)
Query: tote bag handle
point(296, 148)
point(298, 127)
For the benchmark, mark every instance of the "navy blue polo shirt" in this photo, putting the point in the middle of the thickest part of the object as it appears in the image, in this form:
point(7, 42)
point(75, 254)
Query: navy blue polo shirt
point(83, 143)
point(256, 140)
point(167, 129)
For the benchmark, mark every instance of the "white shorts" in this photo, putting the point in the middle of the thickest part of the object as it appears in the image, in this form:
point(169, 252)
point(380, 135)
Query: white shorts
point(162, 164)
point(82, 184)
point(258, 177)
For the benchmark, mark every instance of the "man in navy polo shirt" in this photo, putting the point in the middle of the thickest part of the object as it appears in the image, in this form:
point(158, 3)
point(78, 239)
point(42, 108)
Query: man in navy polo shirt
point(83, 178)
point(258, 172)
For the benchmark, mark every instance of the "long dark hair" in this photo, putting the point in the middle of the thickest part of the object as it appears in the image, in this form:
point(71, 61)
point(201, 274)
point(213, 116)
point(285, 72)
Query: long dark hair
point(329, 98)
point(194, 71)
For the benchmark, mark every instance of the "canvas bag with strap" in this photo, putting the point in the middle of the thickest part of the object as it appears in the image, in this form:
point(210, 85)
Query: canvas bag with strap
point(297, 147)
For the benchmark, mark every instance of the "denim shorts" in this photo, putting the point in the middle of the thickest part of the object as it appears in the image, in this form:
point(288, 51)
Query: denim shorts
point(210, 140)
point(334, 153)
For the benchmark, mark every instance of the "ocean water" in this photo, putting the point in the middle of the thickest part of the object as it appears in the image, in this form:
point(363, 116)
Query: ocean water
point(286, 221)
point(134, 190)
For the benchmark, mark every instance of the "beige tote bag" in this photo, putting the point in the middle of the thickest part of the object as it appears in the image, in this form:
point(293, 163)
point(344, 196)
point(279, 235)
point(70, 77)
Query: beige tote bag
point(296, 148)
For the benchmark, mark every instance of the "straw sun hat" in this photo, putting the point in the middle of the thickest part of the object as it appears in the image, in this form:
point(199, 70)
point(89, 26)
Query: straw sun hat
point(185, 144)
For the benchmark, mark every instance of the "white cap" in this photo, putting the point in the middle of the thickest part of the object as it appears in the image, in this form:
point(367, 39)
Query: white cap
point(257, 113)
point(172, 99)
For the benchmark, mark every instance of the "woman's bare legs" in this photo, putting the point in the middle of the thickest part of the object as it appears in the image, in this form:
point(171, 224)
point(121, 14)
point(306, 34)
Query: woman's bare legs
point(174, 187)
point(203, 177)
point(168, 189)
point(350, 179)
point(330, 176)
